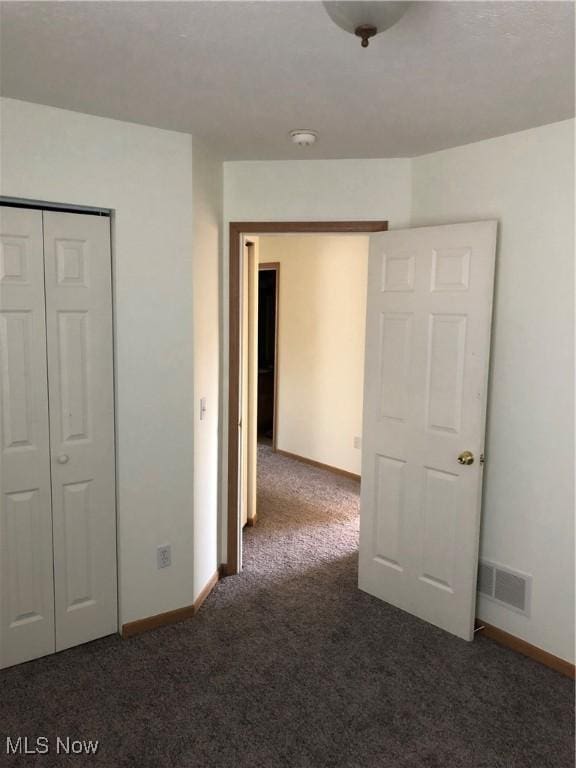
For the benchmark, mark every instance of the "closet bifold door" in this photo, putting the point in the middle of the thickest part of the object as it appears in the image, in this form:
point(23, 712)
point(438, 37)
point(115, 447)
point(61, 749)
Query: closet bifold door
point(26, 578)
point(81, 406)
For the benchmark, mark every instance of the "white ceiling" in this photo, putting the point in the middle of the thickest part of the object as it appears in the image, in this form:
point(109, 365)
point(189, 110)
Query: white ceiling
point(243, 74)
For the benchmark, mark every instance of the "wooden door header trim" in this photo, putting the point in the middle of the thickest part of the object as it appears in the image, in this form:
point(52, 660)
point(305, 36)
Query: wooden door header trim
point(269, 266)
point(320, 227)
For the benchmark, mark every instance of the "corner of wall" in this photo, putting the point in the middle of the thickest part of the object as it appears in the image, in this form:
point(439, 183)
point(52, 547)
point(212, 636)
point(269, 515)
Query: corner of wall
point(207, 192)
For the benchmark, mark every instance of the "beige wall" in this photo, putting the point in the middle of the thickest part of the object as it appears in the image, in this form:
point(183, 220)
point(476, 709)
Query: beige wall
point(526, 181)
point(322, 310)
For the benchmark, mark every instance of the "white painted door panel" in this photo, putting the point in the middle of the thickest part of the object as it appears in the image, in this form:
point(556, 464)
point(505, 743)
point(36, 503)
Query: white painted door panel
point(80, 375)
point(26, 579)
point(429, 316)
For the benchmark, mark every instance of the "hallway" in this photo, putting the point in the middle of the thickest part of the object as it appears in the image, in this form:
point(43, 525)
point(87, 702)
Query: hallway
point(289, 666)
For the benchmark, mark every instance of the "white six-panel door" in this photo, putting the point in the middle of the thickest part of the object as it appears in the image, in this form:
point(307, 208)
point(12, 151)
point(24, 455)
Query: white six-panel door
point(26, 581)
point(80, 375)
point(57, 515)
point(429, 313)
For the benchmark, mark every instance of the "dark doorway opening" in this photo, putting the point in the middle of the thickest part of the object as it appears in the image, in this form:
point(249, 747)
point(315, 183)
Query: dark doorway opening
point(267, 351)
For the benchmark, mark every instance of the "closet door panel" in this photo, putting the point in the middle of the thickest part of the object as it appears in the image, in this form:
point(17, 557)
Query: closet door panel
point(80, 372)
point(26, 577)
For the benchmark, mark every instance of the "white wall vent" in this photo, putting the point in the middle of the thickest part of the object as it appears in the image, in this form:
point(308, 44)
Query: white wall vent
point(486, 579)
point(505, 586)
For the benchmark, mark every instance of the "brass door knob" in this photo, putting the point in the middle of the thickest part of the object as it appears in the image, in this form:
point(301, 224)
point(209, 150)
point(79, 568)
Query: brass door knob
point(466, 458)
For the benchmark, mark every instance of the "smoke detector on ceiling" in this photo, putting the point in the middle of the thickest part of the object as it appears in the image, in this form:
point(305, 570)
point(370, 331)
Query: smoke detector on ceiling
point(303, 137)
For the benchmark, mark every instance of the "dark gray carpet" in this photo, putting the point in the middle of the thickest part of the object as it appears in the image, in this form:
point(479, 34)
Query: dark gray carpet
point(289, 665)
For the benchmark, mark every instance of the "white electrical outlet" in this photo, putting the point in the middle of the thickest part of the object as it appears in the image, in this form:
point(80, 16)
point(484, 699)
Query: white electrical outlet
point(357, 442)
point(164, 556)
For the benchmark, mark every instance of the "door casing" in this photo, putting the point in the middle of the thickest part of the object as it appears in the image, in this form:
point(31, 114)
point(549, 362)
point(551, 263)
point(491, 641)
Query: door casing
point(237, 230)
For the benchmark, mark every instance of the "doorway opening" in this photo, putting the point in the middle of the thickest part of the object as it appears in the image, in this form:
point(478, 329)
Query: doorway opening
point(240, 279)
point(303, 492)
point(268, 291)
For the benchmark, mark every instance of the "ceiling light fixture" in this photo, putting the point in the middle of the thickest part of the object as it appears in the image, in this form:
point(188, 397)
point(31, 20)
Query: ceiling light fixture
point(365, 19)
point(303, 137)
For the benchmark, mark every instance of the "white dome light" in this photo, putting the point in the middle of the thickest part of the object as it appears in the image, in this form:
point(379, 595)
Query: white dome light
point(303, 137)
point(365, 19)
